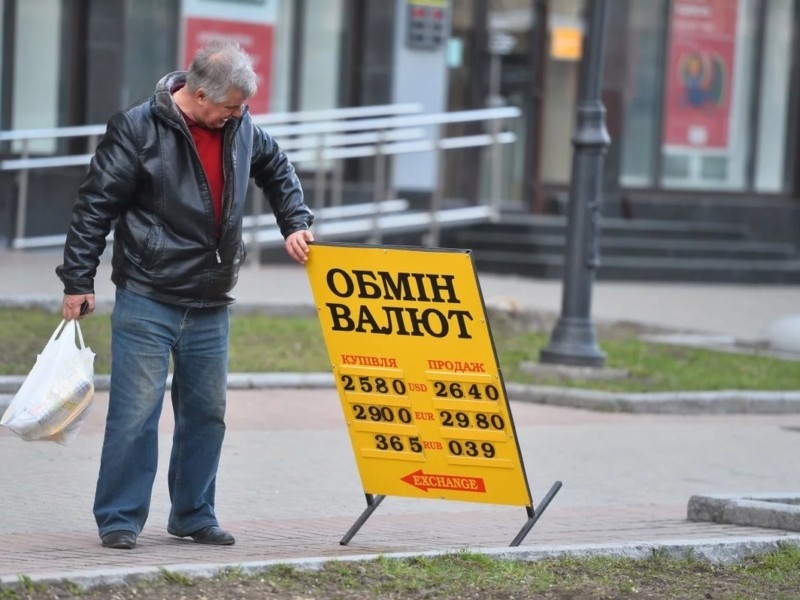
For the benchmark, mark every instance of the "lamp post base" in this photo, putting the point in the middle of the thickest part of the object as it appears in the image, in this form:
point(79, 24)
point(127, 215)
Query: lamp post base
point(573, 343)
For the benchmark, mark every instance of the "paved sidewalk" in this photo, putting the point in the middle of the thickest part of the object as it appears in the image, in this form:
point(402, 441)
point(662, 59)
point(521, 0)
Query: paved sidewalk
point(739, 311)
point(289, 488)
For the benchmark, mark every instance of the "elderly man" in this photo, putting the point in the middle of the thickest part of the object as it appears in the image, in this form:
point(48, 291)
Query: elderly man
point(173, 173)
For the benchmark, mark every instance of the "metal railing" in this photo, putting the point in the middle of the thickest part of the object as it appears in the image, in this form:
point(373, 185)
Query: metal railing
point(323, 140)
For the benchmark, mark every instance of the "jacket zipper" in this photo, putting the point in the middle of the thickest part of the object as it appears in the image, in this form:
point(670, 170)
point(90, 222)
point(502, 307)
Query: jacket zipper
point(227, 194)
point(185, 131)
point(225, 144)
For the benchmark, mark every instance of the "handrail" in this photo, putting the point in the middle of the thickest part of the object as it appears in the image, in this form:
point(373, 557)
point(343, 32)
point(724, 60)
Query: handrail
point(323, 127)
point(323, 139)
point(365, 151)
point(13, 135)
point(442, 118)
point(253, 226)
point(45, 162)
point(395, 222)
point(332, 114)
point(54, 133)
point(25, 163)
point(310, 130)
point(299, 143)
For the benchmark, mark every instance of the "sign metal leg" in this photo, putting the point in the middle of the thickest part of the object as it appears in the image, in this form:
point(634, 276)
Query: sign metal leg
point(372, 503)
point(533, 515)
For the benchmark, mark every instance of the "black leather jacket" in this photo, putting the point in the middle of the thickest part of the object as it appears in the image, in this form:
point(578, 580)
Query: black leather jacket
point(147, 175)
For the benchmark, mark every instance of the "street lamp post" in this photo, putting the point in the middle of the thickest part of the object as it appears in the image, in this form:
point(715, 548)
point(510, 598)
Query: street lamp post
point(573, 339)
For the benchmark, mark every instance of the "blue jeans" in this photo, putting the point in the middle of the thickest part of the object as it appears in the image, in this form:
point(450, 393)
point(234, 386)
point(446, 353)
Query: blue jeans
point(144, 334)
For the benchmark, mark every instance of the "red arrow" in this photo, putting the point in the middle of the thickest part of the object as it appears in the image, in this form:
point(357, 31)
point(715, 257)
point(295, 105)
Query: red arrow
point(426, 481)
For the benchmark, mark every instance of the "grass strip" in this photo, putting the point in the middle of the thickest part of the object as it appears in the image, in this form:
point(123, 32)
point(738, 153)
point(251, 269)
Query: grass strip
point(471, 576)
point(262, 343)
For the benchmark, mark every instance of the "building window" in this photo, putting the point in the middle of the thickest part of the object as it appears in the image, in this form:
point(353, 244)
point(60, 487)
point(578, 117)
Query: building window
point(2, 63)
point(770, 162)
point(562, 75)
point(708, 93)
point(322, 37)
point(646, 35)
point(34, 101)
point(727, 97)
point(150, 46)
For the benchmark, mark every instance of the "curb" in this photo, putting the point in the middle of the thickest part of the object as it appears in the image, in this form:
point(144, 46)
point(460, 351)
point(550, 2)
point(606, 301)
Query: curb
point(714, 550)
point(672, 403)
point(770, 511)
point(236, 381)
point(50, 303)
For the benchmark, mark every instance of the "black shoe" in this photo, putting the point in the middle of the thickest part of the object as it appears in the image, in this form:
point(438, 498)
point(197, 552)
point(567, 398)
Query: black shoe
point(213, 535)
point(122, 539)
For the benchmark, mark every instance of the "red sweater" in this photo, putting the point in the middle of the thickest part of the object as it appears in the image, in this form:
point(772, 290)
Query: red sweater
point(209, 149)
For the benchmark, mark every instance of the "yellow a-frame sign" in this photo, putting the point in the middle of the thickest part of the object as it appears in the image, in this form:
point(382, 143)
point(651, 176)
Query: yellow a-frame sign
point(418, 377)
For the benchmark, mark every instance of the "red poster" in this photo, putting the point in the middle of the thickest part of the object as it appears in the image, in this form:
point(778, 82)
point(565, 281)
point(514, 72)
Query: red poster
point(255, 38)
point(700, 73)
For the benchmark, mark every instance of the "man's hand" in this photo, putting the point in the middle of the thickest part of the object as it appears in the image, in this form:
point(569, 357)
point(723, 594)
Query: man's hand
point(77, 306)
point(297, 246)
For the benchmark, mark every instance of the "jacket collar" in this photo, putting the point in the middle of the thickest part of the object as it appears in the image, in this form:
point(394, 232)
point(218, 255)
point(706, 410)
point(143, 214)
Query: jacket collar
point(163, 104)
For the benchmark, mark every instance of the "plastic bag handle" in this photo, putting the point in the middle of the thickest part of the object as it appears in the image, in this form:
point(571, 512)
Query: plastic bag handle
point(62, 326)
point(80, 334)
point(57, 332)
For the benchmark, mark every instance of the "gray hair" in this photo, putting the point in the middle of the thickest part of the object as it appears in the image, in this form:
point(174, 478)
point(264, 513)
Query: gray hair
point(220, 66)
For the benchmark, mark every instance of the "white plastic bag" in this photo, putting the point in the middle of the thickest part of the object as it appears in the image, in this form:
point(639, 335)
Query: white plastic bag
point(52, 402)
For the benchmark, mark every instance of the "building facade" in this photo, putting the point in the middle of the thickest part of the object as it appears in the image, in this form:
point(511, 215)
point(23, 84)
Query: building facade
point(701, 95)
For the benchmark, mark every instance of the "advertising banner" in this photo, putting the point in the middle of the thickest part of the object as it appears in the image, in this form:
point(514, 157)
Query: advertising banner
point(250, 23)
point(702, 44)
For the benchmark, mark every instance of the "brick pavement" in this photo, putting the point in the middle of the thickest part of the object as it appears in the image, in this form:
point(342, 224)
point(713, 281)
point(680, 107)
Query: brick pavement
point(289, 487)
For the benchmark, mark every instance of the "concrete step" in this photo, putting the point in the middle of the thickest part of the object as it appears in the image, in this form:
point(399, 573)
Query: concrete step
point(620, 268)
point(613, 245)
point(632, 249)
point(614, 227)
